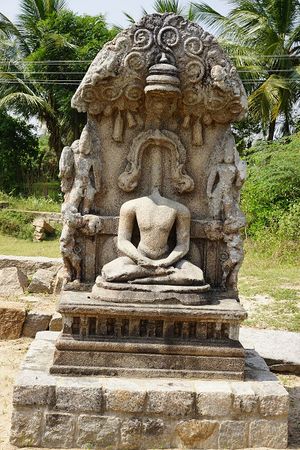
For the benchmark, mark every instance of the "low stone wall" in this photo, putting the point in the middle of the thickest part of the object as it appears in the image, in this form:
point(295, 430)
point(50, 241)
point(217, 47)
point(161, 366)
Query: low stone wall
point(30, 264)
point(119, 413)
point(54, 217)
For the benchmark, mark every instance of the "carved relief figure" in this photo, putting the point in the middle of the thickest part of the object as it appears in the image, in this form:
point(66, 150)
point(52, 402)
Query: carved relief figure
point(73, 221)
point(80, 160)
point(223, 187)
point(80, 173)
point(224, 182)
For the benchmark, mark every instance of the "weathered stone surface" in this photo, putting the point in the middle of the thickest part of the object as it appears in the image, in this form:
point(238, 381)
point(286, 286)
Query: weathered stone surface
point(156, 433)
point(245, 399)
point(271, 434)
point(56, 322)
point(170, 423)
point(233, 434)
point(170, 403)
point(59, 281)
point(131, 434)
point(71, 397)
point(198, 433)
point(131, 399)
point(12, 281)
point(273, 399)
point(41, 228)
point(99, 432)
point(214, 399)
point(35, 322)
point(42, 282)
point(25, 428)
point(30, 264)
point(279, 348)
point(35, 394)
point(59, 430)
point(12, 317)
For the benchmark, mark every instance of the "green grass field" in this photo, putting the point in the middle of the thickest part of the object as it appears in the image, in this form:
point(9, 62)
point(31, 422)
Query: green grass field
point(271, 287)
point(23, 247)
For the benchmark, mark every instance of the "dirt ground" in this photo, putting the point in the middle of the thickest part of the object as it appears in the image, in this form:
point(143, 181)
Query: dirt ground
point(12, 353)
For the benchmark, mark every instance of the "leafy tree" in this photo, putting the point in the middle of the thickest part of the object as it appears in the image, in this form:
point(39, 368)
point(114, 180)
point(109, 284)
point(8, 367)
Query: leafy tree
point(263, 37)
point(47, 32)
point(272, 190)
point(18, 153)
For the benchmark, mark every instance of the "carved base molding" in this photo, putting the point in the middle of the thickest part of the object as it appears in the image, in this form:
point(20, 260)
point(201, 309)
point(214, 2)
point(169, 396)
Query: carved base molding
point(53, 411)
point(149, 340)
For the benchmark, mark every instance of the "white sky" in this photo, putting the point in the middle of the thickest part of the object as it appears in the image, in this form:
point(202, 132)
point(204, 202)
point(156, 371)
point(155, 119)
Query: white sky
point(113, 9)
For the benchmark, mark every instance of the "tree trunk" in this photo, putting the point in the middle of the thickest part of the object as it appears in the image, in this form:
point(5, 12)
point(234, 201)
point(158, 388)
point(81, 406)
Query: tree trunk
point(271, 130)
point(55, 141)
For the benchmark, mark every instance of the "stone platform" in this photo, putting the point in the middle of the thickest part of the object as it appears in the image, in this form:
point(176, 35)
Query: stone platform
point(137, 414)
point(171, 339)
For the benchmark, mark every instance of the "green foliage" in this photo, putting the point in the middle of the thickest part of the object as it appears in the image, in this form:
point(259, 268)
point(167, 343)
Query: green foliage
point(289, 223)
point(31, 203)
point(18, 153)
point(48, 32)
point(263, 37)
point(270, 197)
point(16, 224)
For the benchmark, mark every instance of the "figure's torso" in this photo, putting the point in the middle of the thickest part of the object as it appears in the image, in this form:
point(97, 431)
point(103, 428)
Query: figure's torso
point(155, 222)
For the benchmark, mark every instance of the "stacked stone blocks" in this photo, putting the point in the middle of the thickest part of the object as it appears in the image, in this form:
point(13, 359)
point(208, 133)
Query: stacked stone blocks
point(119, 413)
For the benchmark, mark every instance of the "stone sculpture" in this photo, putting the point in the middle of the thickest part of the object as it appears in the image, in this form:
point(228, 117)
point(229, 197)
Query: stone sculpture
point(152, 262)
point(155, 170)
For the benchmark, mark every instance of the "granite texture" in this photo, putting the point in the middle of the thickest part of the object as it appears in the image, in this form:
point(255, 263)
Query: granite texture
point(135, 413)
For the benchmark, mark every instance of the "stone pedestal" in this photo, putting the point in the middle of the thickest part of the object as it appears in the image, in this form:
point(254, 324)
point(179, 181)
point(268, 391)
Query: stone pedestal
point(55, 411)
point(114, 335)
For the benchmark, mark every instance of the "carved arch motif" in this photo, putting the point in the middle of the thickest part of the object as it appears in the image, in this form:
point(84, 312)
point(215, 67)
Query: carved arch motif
point(129, 179)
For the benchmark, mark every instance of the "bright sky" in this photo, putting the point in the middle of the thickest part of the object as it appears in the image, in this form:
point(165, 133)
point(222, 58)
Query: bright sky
point(113, 9)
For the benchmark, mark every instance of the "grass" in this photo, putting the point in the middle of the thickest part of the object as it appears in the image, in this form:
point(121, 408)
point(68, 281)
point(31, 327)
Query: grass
point(278, 279)
point(31, 203)
point(20, 247)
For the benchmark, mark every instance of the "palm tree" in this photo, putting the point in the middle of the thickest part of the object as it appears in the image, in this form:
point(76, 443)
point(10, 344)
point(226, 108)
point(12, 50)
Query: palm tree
point(18, 89)
point(263, 37)
point(171, 6)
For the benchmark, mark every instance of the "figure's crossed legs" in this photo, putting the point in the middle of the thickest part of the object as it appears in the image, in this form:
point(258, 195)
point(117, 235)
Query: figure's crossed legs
point(124, 269)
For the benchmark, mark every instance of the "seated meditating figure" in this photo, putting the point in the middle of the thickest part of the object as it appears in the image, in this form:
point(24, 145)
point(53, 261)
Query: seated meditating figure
point(152, 262)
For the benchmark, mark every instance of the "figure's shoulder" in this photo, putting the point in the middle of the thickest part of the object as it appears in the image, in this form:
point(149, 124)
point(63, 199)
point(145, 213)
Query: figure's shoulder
point(129, 206)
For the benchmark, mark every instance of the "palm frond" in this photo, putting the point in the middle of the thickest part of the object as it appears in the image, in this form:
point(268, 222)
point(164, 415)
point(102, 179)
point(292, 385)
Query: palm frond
point(129, 17)
point(171, 6)
point(25, 103)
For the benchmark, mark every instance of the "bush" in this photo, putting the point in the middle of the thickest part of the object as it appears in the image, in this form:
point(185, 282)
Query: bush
point(16, 224)
point(270, 197)
point(289, 223)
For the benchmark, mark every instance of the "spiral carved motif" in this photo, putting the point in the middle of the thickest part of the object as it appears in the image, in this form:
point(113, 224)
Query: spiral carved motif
point(134, 61)
point(111, 93)
point(168, 37)
point(193, 46)
point(195, 71)
point(134, 92)
point(143, 39)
